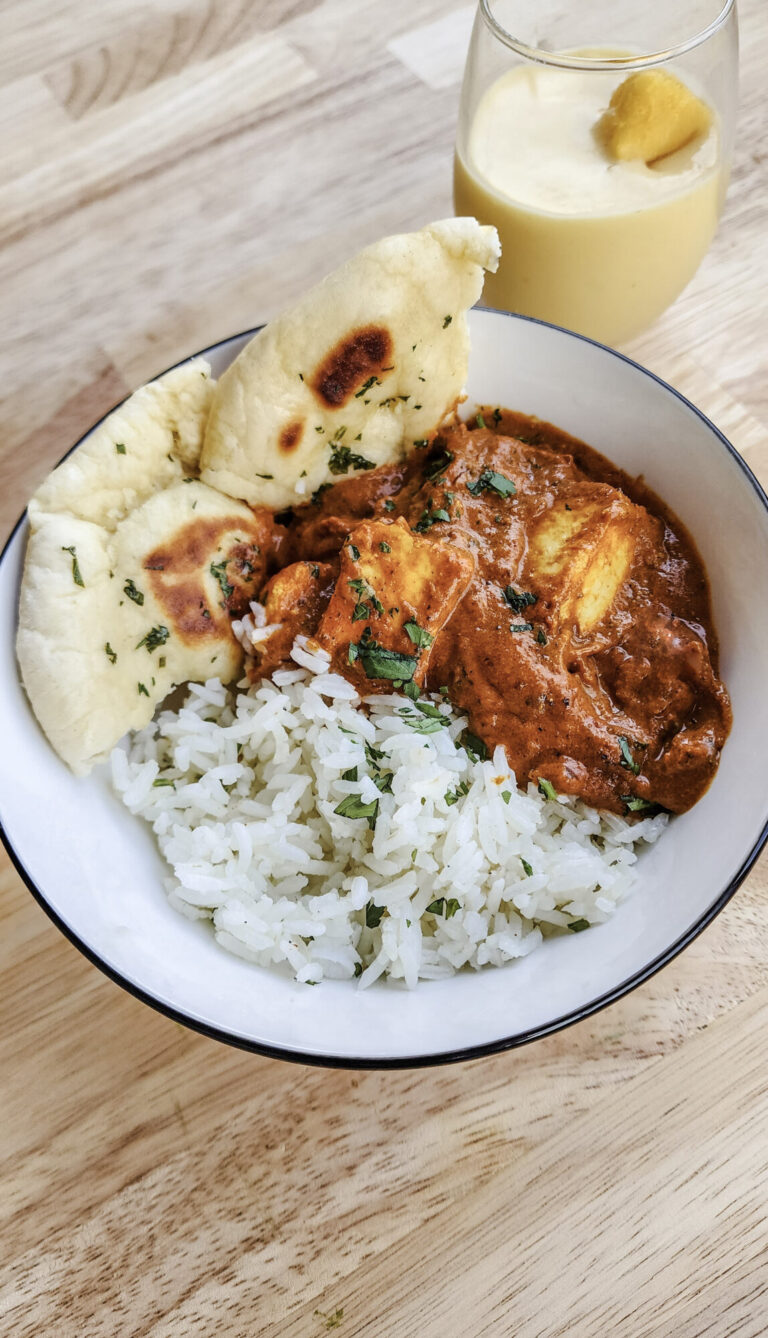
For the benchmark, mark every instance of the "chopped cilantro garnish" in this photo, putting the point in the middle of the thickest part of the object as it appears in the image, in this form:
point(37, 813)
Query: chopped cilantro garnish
point(350, 775)
point(474, 748)
point(120, 448)
point(352, 653)
point(490, 481)
point(373, 915)
point(132, 592)
point(518, 600)
point(162, 780)
point(438, 465)
point(627, 760)
point(76, 573)
point(418, 635)
point(521, 627)
point(496, 417)
point(527, 868)
point(426, 723)
point(541, 637)
point(506, 795)
point(354, 553)
point(365, 591)
point(447, 321)
point(218, 571)
point(352, 806)
point(378, 662)
point(636, 805)
point(433, 712)
point(576, 926)
point(446, 906)
point(358, 969)
point(547, 789)
point(142, 690)
point(479, 420)
point(156, 636)
point(110, 653)
point(389, 505)
point(317, 494)
point(372, 381)
point(429, 518)
point(384, 547)
point(342, 458)
point(314, 570)
point(453, 796)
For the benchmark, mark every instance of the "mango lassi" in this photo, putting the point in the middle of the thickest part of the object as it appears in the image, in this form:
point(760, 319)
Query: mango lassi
point(597, 243)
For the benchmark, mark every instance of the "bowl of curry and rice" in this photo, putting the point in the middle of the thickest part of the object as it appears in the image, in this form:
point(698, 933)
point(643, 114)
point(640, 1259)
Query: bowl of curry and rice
point(386, 680)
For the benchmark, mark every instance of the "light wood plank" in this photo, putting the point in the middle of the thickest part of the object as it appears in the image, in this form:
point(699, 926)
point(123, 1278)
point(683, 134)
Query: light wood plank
point(186, 109)
point(637, 1249)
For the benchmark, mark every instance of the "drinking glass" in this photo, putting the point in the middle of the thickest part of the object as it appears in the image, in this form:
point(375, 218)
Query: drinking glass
point(597, 245)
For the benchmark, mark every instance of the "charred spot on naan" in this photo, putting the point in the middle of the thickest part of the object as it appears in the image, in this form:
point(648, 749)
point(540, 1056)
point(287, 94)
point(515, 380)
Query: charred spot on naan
point(352, 362)
point(193, 616)
point(291, 436)
point(209, 570)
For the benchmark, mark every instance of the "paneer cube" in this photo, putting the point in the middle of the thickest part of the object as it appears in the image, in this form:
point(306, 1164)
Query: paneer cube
point(395, 592)
point(293, 602)
point(580, 553)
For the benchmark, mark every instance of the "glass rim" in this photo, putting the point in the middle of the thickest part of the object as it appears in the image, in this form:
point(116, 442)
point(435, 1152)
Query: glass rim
point(569, 62)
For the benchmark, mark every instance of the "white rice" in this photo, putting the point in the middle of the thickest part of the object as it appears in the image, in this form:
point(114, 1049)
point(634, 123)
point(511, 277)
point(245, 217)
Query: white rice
point(241, 790)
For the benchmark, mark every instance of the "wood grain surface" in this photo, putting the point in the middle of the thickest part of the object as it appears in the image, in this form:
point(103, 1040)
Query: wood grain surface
point(171, 172)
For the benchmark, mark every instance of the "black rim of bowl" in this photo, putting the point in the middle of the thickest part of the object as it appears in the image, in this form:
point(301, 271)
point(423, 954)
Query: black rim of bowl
point(445, 1056)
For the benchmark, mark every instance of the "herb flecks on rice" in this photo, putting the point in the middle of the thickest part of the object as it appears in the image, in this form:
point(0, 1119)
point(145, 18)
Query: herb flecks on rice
point(342, 839)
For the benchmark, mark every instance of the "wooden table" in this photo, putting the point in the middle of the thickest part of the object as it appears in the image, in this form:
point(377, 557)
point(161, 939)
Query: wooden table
point(173, 171)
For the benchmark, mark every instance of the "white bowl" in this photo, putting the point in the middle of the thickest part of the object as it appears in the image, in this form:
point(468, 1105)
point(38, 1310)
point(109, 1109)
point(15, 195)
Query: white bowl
point(97, 873)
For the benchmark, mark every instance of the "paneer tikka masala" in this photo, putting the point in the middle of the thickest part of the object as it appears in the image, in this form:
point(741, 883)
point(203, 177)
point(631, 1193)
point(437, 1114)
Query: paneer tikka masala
point(516, 572)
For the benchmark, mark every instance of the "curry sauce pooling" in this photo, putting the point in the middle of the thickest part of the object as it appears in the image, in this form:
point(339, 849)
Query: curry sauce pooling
point(551, 598)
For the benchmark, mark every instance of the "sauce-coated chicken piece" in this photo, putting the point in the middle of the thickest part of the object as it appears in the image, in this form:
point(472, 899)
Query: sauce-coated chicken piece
point(293, 601)
point(394, 593)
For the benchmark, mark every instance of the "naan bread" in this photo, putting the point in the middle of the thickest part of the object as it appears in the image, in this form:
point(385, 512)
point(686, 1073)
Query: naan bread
point(111, 620)
point(133, 567)
point(362, 368)
point(151, 441)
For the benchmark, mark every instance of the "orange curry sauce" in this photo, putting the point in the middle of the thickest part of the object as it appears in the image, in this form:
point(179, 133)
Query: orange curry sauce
point(548, 596)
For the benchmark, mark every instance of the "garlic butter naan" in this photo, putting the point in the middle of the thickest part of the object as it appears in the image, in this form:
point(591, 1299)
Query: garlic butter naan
point(133, 568)
point(141, 544)
point(364, 367)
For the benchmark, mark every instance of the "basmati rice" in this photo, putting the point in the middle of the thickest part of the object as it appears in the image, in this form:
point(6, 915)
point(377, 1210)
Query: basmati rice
point(435, 862)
